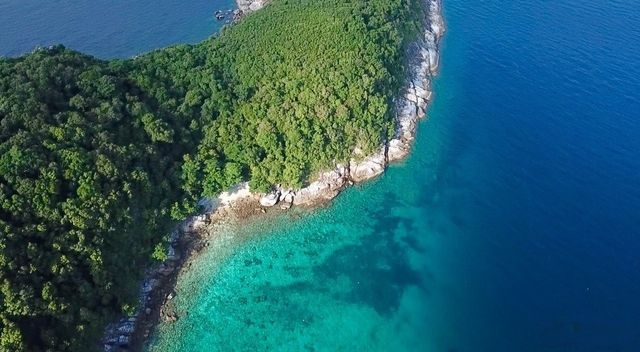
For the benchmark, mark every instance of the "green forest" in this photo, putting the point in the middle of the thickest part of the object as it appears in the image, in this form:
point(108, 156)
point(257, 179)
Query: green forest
point(99, 159)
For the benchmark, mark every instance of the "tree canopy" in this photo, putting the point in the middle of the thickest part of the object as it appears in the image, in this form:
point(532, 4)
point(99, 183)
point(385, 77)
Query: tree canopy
point(97, 158)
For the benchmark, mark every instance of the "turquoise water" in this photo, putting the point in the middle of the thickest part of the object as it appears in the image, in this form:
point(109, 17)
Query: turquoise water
point(513, 226)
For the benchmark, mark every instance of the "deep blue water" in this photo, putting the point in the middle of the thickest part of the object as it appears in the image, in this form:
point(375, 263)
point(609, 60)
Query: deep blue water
point(106, 28)
point(541, 105)
point(513, 226)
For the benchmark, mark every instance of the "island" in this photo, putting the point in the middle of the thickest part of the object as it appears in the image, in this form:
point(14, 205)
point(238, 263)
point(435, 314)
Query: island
point(102, 161)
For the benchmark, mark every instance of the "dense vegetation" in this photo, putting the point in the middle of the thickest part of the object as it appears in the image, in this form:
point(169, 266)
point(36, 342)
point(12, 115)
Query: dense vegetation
point(95, 156)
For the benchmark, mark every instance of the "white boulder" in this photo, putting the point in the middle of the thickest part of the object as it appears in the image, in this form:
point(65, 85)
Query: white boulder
point(270, 199)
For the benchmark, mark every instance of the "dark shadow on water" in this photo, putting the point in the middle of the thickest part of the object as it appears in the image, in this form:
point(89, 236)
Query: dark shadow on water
point(377, 267)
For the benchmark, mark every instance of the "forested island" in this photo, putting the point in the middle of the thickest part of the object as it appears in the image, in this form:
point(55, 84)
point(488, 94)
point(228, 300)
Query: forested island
point(99, 159)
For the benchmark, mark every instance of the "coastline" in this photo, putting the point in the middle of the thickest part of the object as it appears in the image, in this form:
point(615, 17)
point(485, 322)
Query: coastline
point(245, 7)
point(190, 236)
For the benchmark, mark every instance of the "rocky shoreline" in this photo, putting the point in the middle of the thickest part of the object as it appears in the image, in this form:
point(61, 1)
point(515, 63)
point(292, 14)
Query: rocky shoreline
point(423, 57)
point(189, 237)
point(245, 7)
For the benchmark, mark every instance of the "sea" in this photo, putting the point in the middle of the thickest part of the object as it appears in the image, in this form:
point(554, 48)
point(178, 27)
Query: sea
point(514, 225)
point(106, 28)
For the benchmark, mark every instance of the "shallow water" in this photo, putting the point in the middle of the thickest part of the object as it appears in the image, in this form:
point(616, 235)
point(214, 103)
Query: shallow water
point(513, 226)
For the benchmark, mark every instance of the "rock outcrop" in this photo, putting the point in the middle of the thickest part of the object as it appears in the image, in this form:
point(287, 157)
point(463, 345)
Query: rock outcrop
point(423, 64)
point(326, 187)
point(270, 199)
point(251, 5)
point(119, 335)
point(245, 7)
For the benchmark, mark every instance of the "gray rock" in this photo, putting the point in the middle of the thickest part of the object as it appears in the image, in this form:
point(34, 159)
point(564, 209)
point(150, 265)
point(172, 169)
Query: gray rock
point(111, 340)
point(411, 96)
point(368, 168)
point(397, 150)
point(127, 328)
point(421, 112)
point(433, 59)
point(175, 236)
point(286, 200)
point(284, 193)
point(247, 6)
point(422, 93)
point(172, 255)
point(123, 340)
point(149, 285)
point(270, 199)
point(424, 62)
